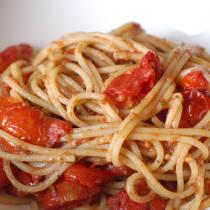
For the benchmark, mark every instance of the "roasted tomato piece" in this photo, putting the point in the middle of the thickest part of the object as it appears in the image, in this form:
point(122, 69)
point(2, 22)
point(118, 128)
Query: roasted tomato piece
point(68, 194)
point(9, 146)
point(121, 171)
point(29, 124)
point(24, 178)
point(89, 177)
point(121, 200)
point(5, 89)
point(14, 53)
point(52, 129)
point(195, 107)
point(3, 177)
point(194, 80)
point(130, 87)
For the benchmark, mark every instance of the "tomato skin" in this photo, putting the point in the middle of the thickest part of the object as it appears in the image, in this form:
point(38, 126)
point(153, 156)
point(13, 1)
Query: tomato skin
point(22, 123)
point(121, 171)
point(3, 178)
point(5, 89)
point(13, 53)
point(129, 88)
point(69, 194)
point(151, 60)
point(194, 80)
point(53, 129)
point(34, 127)
point(89, 177)
point(195, 90)
point(195, 106)
point(8, 146)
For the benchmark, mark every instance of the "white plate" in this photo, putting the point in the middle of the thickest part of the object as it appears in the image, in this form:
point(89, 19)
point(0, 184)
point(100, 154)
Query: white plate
point(40, 21)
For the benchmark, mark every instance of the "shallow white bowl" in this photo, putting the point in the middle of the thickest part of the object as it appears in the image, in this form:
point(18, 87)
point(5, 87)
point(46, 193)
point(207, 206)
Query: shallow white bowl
point(40, 21)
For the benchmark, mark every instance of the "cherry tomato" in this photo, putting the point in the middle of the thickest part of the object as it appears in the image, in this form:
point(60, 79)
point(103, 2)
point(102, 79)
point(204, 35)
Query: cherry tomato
point(195, 89)
point(3, 177)
point(66, 193)
point(29, 124)
point(194, 80)
point(195, 107)
point(14, 53)
point(129, 88)
point(89, 177)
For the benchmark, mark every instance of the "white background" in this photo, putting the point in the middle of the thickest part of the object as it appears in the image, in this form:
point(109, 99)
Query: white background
point(40, 21)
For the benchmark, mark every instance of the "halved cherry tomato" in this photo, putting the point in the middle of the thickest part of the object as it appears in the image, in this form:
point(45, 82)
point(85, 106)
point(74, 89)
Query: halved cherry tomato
point(66, 193)
point(29, 124)
point(89, 177)
point(13, 53)
point(195, 89)
point(129, 88)
point(3, 178)
point(194, 80)
point(195, 107)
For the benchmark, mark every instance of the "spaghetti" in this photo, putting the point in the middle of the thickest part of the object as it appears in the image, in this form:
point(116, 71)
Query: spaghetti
point(106, 121)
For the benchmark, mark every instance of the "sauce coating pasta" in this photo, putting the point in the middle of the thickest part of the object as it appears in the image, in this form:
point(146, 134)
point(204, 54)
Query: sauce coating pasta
point(115, 121)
